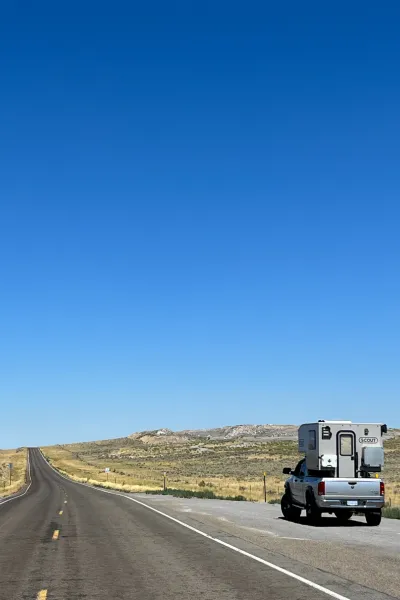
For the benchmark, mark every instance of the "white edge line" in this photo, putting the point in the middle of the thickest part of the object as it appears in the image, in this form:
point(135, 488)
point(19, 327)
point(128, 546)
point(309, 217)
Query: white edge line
point(27, 489)
point(316, 586)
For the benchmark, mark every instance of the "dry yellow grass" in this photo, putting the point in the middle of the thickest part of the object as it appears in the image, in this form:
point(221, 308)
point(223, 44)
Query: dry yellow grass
point(142, 468)
point(19, 460)
point(228, 468)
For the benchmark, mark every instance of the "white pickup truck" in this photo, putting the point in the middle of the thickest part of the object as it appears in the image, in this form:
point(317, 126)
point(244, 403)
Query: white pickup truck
point(343, 497)
point(339, 474)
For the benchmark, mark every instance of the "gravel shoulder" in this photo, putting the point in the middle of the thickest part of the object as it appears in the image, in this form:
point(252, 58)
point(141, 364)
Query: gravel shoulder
point(363, 556)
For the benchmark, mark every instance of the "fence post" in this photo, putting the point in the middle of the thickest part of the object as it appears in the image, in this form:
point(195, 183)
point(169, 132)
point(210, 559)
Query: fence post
point(265, 487)
point(165, 481)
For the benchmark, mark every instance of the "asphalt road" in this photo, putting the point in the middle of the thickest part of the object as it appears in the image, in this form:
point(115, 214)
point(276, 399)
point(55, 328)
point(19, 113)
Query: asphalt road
point(354, 552)
point(66, 541)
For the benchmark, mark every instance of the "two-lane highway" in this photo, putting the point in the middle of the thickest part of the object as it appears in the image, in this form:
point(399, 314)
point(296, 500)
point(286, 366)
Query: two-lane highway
point(67, 541)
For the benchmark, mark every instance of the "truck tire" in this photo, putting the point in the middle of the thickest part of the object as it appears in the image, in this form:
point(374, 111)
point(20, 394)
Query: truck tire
point(290, 512)
point(343, 515)
point(312, 511)
point(373, 518)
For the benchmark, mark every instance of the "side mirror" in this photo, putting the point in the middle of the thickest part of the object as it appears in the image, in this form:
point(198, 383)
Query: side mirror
point(287, 471)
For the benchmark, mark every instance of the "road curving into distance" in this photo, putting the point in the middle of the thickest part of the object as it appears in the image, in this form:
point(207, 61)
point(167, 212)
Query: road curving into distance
point(62, 540)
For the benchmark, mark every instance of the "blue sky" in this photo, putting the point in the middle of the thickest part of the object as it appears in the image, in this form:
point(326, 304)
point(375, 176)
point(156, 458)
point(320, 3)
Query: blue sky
point(199, 216)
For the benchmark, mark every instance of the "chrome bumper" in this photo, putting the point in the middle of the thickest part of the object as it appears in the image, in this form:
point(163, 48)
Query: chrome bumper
point(325, 503)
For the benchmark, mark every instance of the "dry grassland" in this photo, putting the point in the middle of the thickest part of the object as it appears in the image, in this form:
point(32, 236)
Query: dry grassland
point(227, 467)
point(18, 458)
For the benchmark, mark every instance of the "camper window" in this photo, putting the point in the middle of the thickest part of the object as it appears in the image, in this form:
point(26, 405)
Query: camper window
point(346, 445)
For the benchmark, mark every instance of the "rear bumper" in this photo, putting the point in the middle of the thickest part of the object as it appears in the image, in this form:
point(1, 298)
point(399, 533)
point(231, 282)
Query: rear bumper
point(326, 503)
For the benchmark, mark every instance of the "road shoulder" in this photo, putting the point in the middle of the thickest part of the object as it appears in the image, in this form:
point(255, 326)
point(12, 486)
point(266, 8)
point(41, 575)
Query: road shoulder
point(351, 560)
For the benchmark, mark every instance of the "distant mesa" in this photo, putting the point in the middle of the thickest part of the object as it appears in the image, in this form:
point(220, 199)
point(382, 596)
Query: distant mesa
point(266, 432)
point(249, 433)
point(164, 432)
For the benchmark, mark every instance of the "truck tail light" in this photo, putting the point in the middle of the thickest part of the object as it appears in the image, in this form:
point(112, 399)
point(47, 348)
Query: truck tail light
point(321, 488)
point(382, 488)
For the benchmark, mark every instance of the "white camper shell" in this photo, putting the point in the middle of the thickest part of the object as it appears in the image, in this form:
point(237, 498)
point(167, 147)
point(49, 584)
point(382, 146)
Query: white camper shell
point(343, 448)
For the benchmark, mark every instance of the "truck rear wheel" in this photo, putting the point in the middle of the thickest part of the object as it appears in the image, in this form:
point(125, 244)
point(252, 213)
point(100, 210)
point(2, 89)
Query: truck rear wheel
point(290, 512)
point(373, 518)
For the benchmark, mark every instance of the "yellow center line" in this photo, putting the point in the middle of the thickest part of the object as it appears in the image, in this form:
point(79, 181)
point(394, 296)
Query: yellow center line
point(56, 535)
point(42, 595)
point(61, 512)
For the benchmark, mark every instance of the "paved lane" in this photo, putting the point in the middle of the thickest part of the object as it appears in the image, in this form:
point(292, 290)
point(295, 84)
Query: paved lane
point(107, 547)
point(354, 552)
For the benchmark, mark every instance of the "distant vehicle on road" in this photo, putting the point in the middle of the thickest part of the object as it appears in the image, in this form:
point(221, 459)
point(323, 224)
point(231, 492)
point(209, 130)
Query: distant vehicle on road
point(339, 474)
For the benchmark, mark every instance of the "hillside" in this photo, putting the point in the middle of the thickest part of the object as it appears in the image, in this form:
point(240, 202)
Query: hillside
point(229, 460)
point(250, 432)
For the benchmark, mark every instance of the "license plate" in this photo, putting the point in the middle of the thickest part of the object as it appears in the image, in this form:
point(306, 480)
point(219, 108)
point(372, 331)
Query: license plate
point(352, 502)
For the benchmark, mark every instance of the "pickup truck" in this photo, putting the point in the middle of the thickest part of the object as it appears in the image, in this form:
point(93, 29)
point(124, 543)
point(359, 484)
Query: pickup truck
point(318, 493)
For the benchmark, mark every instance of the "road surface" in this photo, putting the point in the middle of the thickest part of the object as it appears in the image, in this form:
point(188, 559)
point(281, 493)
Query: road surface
point(355, 552)
point(66, 541)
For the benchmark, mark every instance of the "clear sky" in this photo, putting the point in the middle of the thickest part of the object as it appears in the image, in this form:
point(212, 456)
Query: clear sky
point(200, 218)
